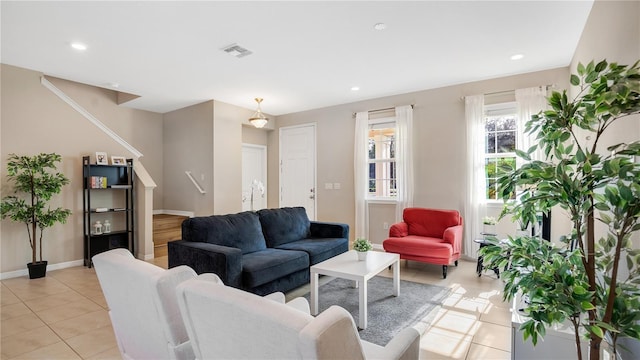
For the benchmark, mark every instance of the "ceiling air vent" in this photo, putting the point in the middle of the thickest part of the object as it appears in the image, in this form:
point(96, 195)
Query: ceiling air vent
point(236, 50)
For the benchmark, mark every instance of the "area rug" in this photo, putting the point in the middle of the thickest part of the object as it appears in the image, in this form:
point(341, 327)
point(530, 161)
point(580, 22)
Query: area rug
point(416, 306)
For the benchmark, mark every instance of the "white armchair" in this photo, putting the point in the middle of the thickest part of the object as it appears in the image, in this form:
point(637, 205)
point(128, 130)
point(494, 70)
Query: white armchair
point(142, 305)
point(227, 323)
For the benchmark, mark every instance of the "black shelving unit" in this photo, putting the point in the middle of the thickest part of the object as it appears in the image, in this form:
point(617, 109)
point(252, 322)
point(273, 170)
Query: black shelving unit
point(115, 203)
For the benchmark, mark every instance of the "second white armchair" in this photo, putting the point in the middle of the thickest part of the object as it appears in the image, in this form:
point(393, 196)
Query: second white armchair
point(227, 323)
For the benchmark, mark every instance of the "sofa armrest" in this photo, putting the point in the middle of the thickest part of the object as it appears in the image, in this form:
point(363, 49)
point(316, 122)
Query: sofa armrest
point(224, 261)
point(400, 229)
point(453, 235)
point(300, 304)
point(328, 230)
point(331, 335)
point(404, 346)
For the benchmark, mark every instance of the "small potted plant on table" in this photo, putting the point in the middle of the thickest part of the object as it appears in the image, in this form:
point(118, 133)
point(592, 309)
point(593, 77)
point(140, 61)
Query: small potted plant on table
point(362, 246)
point(489, 225)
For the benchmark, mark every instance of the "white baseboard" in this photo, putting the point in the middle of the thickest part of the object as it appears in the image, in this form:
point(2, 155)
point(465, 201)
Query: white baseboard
point(174, 212)
point(146, 257)
point(50, 267)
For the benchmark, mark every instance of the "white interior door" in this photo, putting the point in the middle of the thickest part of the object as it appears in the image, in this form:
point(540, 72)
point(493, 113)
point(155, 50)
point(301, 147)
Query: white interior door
point(254, 177)
point(298, 167)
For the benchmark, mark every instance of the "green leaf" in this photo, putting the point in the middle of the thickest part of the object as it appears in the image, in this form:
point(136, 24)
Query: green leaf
point(597, 330)
point(579, 290)
point(586, 306)
point(575, 80)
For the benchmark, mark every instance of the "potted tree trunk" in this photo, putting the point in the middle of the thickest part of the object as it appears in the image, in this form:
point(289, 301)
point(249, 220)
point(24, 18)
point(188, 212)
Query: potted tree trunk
point(591, 277)
point(35, 181)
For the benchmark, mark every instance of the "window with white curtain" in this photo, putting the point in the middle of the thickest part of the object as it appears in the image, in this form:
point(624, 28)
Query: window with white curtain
point(383, 163)
point(382, 159)
point(501, 135)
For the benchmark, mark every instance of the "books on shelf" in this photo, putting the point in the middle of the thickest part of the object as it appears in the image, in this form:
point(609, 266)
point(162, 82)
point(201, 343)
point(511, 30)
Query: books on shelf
point(117, 186)
point(101, 209)
point(98, 182)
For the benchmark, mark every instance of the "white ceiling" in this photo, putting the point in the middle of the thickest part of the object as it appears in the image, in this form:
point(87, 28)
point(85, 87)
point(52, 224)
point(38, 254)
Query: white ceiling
point(306, 55)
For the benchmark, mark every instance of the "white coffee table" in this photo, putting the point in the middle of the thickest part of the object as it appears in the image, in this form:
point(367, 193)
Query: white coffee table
point(347, 266)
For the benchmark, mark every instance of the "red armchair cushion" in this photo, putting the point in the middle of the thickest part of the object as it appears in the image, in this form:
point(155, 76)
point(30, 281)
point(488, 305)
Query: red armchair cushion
point(419, 246)
point(430, 222)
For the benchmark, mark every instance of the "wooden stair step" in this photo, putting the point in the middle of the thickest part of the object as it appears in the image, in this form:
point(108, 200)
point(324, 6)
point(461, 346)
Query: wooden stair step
point(165, 228)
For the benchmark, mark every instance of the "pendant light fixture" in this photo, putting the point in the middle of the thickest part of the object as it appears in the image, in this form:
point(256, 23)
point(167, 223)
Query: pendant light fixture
point(258, 119)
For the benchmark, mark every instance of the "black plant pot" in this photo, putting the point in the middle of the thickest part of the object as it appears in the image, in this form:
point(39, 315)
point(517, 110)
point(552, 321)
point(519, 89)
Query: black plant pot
point(37, 269)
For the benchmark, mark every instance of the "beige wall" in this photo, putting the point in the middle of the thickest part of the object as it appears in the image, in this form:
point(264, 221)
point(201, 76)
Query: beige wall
point(251, 135)
point(188, 146)
point(34, 120)
point(439, 138)
point(227, 157)
point(206, 139)
point(612, 32)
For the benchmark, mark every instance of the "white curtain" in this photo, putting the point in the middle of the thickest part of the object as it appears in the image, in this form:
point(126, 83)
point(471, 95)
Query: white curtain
point(404, 159)
point(529, 102)
point(361, 173)
point(475, 204)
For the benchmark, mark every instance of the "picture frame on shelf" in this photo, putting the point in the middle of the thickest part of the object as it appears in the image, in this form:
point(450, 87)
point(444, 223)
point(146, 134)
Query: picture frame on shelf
point(118, 160)
point(101, 158)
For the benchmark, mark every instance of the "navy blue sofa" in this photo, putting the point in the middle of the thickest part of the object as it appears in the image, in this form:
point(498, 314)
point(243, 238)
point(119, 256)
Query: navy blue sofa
point(261, 252)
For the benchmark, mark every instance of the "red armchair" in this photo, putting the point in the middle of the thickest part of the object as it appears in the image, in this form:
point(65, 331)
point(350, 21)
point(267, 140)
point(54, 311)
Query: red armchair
point(427, 235)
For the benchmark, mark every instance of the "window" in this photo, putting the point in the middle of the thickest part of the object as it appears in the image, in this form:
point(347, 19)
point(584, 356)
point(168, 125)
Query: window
point(382, 162)
point(500, 134)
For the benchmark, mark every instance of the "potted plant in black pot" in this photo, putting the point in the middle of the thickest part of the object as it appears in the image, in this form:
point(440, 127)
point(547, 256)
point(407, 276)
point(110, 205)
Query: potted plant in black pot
point(591, 279)
point(35, 181)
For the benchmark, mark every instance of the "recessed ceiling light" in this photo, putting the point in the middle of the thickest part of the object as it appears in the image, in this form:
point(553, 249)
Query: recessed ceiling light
point(79, 46)
point(355, 88)
point(380, 26)
point(517, 57)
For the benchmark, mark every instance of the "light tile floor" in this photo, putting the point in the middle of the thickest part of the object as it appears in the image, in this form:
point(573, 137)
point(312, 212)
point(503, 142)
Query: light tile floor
point(64, 315)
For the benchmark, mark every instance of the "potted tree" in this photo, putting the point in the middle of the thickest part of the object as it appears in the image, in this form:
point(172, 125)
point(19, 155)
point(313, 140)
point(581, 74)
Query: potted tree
point(362, 246)
point(35, 182)
point(581, 280)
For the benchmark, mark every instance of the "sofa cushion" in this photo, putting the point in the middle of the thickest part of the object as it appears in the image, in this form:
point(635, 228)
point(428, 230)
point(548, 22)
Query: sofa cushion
point(260, 267)
point(430, 222)
point(419, 246)
point(284, 225)
point(318, 249)
point(242, 230)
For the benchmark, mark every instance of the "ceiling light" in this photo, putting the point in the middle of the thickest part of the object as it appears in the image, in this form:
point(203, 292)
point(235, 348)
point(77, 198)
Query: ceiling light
point(517, 57)
point(355, 88)
point(79, 46)
point(380, 26)
point(258, 119)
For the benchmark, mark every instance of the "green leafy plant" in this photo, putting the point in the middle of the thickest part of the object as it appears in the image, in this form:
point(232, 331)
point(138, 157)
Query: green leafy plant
point(362, 244)
point(581, 279)
point(489, 220)
point(35, 182)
